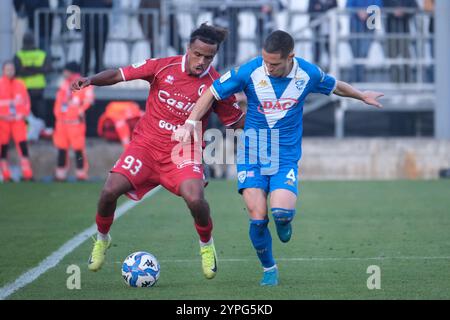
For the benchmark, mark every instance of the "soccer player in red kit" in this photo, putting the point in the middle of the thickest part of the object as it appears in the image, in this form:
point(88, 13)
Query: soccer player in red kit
point(175, 85)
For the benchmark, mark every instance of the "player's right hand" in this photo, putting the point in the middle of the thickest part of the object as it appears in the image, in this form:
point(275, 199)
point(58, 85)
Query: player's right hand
point(184, 133)
point(80, 84)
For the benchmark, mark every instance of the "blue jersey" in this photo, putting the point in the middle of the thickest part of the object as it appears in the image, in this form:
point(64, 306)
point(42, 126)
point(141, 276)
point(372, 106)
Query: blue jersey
point(275, 103)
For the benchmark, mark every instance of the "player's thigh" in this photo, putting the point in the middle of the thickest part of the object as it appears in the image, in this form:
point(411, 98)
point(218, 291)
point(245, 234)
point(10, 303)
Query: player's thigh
point(116, 184)
point(250, 177)
point(136, 165)
point(19, 131)
point(283, 198)
point(179, 178)
point(256, 202)
point(5, 132)
point(192, 190)
point(285, 179)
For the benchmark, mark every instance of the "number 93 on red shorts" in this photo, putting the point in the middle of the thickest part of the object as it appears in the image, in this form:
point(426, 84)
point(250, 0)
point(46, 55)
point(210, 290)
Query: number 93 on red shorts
point(147, 169)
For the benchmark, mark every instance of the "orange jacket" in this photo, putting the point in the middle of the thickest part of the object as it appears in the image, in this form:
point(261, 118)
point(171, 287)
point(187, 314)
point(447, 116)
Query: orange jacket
point(70, 106)
point(119, 112)
point(14, 99)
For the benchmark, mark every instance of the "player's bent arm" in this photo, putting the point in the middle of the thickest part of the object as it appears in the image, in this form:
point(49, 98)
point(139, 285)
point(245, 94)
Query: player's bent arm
point(104, 78)
point(344, 89)
point(202, 106)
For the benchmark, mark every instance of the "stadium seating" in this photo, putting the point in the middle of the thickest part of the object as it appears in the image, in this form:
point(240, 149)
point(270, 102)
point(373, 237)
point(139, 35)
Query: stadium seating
point(140, 51)
point(116, 54)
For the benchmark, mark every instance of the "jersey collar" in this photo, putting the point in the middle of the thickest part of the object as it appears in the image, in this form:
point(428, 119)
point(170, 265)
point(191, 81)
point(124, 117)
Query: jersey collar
point(183, 67)
point(291, 74)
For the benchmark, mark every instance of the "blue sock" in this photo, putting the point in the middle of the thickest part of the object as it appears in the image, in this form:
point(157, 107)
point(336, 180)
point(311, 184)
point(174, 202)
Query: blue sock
point(282, 216)
point(262, 241)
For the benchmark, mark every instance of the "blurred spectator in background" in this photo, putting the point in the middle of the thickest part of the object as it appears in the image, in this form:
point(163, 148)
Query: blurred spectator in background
point(118, 121)
point(62, 5)
point(14, 108)
point(265, 23)
point(95, 28)
point(146, 22)
point(226, 16)
point(27, 8)
point(429, 6)
point(358, 27)
point(32, 66)
point(317, 8)
point(397, 24)
point(70, 127)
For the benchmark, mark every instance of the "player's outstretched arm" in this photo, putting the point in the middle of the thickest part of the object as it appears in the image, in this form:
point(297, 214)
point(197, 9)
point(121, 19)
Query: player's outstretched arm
point(202, 106)
point(344, 89)
point(104, 78)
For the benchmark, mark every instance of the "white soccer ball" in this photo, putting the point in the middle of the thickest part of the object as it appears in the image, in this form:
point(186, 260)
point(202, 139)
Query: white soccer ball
point(140, 269)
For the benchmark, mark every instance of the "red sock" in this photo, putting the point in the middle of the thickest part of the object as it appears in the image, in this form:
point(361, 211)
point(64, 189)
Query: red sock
point(104, 223)
point(204, 231)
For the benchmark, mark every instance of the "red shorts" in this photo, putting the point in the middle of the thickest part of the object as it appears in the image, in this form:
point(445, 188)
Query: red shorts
point(139, 166)
point(15, 128)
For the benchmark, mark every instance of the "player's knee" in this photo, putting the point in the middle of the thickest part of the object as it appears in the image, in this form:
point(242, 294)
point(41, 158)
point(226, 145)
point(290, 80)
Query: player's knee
point(109, 194)
point(195, 202)
point(283, 216)
point(258, 212)
point(193, 196)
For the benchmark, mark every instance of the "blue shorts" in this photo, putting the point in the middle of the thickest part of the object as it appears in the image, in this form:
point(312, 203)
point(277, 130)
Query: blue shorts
point(253, 176)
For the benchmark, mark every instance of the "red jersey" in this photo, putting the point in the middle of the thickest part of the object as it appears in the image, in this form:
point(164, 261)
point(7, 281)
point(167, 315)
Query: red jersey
point(173, 94)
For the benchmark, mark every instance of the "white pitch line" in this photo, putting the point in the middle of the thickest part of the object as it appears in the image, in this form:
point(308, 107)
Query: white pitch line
point(308, 259)
point(56, 257)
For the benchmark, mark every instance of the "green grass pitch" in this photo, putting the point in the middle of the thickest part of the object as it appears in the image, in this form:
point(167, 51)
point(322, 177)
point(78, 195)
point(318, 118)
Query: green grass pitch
point(341, 229)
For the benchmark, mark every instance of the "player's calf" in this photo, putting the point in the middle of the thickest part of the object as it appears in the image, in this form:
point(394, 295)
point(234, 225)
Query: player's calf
point(115, 186)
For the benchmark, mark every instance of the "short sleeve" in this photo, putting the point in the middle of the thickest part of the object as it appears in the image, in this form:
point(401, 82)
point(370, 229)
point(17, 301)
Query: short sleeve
point(230, 83)
point(228, 111)
point(325, 84)
point(144, 70)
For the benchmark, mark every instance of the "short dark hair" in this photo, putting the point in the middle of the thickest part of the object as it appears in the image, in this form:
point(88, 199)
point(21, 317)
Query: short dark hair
point(73, 67)
point(279, 42)
point(209, 34)
point(28, 40)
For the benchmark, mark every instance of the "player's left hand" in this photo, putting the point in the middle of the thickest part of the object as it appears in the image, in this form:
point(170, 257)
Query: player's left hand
point(80, 84)
point(371, 98)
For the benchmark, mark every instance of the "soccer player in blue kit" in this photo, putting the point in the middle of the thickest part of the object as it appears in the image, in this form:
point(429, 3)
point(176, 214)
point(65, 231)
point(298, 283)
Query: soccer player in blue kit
point(276, 85)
